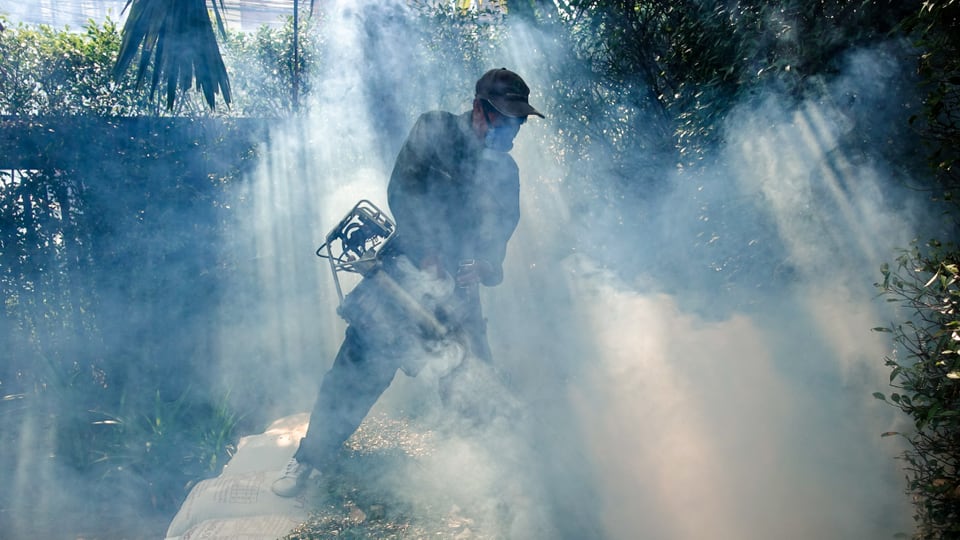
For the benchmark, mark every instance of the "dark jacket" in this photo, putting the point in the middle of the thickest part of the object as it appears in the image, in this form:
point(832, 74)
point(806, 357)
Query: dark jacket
point(451, 198)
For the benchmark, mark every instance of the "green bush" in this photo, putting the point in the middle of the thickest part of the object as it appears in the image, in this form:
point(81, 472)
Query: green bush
point(925, 372)
point(45, 71)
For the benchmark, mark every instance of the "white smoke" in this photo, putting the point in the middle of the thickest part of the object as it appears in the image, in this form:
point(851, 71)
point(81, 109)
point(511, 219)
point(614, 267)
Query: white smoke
point(647, 412)
point(750, 422)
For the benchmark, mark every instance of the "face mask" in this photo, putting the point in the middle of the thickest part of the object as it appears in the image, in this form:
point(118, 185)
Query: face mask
point(500, 138)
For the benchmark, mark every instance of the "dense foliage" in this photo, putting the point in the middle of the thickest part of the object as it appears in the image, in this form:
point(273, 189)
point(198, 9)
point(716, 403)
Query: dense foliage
point(925, 371)
point(926, 374)
point(936, 31)
point(98, 320)
point(45, 71)
point(264, 68)
point(97, 194)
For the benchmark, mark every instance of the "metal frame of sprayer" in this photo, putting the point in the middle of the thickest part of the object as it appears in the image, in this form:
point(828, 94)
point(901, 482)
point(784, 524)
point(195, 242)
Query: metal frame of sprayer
point(355, 243)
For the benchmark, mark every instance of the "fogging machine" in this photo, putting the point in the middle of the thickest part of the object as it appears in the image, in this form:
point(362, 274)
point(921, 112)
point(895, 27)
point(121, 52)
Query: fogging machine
point(355, 244)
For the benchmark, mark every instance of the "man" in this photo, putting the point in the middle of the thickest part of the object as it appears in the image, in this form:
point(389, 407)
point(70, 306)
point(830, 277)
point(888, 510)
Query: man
point(454, 193)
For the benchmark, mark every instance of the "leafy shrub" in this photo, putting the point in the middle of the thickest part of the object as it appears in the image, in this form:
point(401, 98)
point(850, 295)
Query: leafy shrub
point(926, 376)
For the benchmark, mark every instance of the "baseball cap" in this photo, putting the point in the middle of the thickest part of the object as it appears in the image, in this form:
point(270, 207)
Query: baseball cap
point(507, 92)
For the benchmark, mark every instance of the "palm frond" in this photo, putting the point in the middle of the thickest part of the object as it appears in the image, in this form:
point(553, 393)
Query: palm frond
point(176, 39)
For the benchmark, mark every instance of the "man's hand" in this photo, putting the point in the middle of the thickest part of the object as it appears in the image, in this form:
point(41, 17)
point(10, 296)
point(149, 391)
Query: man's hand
point(473, 271)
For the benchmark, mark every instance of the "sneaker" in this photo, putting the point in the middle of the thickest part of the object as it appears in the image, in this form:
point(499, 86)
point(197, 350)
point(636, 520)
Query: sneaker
point(291, 478)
